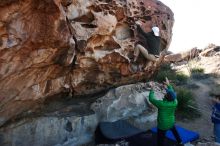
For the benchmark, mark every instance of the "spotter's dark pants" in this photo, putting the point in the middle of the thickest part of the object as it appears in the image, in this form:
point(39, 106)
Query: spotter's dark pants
point(161, 136)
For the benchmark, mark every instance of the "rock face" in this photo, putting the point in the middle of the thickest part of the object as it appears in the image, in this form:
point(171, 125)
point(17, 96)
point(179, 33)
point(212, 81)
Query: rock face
point(80, 47)
point(71, 130)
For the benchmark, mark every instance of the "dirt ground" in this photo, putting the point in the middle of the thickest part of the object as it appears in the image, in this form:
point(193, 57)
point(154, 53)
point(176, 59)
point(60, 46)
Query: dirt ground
point(206, 83)
point(202, 125)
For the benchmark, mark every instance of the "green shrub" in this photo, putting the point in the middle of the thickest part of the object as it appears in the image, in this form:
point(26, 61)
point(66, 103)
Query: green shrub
point(198, 73)
point(197, 70)
point(187, 107)
point(162, 74)
point(165, 71)
point(181, 78)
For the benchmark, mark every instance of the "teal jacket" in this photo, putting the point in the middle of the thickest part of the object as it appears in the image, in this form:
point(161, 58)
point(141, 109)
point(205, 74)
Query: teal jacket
point(166, 111)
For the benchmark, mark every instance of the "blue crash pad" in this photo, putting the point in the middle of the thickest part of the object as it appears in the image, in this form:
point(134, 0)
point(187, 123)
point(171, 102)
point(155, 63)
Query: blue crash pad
point(186, 135)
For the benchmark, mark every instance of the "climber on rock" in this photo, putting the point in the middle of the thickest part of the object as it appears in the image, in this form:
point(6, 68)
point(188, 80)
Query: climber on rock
point(148, 43)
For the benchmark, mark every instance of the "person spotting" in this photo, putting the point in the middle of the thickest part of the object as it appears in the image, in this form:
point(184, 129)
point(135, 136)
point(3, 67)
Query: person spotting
point(166, 113)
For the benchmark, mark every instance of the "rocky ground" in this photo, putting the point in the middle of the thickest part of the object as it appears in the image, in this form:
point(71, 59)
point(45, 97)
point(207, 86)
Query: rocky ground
point(207, 84)
point(202, 125)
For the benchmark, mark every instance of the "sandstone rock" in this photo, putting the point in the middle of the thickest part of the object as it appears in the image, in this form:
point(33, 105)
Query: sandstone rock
point(125, 101)
point(50, 47)
point(50, 131)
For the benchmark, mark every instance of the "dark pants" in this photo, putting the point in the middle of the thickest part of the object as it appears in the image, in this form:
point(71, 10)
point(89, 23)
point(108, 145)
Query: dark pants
point(161, 136)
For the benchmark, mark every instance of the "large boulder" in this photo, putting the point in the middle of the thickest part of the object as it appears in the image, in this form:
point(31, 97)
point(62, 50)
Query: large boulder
point(70, 126)
point(51, 47)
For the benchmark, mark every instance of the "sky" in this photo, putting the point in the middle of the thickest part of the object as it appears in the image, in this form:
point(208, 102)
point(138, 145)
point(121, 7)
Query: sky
point(197, 23)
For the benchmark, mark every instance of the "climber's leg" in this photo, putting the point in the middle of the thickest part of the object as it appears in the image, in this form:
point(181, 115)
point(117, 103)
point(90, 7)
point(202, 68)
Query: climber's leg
point(136, 52)
point(148, 56)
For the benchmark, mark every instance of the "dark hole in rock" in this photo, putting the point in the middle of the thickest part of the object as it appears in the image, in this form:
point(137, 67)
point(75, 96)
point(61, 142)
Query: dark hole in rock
point(61, 58)
point(147, 11)
point(88, 18)
point(62, 26)
point(108, 45)
point(141, 3)
point(111, 44)
point(130, 19)
point(116, 75)
point(68, 126)
point(163, 44)
point(143, 8)
point(132, 27)
point(147, 18)
point(105, 7)
point(135, 12)
point(95, 8)
point(111, 12)
point(1, 42)
point(164, 27)
point(89, 25)
point(81, 45)
point(66, 3)
point(132, 33)
point(49, 83)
